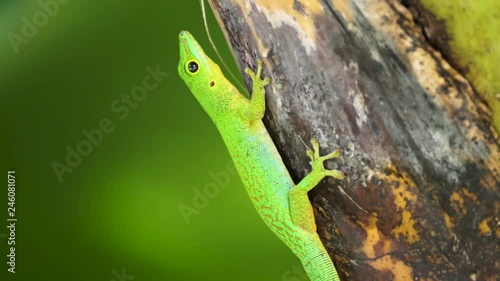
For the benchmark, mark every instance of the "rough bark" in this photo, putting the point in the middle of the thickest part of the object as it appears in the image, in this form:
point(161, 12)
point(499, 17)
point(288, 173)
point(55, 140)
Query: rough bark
point(466, 33)
point(421, 197)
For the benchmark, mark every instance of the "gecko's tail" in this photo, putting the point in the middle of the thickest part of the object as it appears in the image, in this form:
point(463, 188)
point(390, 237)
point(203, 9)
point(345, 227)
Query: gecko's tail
point(321, 268)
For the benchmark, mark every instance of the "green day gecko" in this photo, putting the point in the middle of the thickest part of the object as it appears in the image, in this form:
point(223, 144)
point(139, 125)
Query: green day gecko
point(282, 204)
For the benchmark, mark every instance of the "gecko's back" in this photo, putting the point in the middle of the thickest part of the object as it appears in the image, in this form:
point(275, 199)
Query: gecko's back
point(266, 180)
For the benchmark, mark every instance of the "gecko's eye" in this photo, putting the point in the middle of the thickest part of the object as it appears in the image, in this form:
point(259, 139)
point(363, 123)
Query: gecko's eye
point(192, 67)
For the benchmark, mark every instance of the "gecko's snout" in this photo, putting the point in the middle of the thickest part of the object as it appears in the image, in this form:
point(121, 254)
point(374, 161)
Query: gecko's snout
point(190, 49)
point(185, 36)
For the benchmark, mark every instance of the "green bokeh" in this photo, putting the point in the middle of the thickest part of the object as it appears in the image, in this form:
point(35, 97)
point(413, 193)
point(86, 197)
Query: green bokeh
point(119, 208)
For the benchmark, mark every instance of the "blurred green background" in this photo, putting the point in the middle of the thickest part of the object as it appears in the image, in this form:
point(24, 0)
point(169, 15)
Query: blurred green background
point(117, 212)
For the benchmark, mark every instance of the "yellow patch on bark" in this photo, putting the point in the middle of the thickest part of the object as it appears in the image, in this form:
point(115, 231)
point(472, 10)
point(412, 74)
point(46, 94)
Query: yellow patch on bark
point(457, 202)
point(472, 196)
point(404, 194)
point(295, 14)
point(448, 222)
point(484, 228)
point(374, 240)
point(458, 199)
point(400, 270)
point(345, 9)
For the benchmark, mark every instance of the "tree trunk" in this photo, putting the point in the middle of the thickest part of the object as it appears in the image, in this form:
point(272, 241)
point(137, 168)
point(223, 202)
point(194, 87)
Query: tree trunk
point(421, 196)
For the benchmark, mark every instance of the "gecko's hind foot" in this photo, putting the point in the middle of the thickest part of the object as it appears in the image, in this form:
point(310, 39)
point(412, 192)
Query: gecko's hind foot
point(257, 82)
point(317, 161)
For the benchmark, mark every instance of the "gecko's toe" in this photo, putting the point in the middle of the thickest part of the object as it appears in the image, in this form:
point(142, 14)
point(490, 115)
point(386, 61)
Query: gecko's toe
point(250, 72)
point(335, 154)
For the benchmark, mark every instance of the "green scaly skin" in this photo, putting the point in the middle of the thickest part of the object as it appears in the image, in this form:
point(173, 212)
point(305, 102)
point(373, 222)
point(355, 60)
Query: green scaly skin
point(283, 205)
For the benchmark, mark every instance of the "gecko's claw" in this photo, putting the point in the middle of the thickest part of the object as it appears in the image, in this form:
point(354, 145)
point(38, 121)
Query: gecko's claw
point(317, 160)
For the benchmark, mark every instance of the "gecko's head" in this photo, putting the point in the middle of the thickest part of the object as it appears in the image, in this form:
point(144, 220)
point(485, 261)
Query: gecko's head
point(199, 72)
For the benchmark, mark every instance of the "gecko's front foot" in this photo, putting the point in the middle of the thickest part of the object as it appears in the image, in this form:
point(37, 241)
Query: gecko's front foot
point(257, 82)
point(317, 161)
